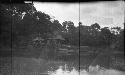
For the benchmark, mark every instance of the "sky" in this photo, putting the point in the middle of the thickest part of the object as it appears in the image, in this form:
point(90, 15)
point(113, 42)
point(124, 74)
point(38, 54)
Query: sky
point(107, 14)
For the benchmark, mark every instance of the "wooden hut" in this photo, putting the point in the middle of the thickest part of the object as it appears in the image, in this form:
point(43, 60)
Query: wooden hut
point(55, 41)
point(52, 45)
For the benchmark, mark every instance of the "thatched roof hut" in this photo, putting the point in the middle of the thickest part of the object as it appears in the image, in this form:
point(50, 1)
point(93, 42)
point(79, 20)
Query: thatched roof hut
point(57, 37)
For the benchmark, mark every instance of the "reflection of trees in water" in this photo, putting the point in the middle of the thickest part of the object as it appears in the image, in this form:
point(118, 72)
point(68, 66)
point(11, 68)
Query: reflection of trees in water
point(93, 70)
point(33, 66)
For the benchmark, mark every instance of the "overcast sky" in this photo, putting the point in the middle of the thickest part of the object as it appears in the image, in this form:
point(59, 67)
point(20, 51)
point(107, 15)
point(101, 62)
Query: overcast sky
point(105, 13)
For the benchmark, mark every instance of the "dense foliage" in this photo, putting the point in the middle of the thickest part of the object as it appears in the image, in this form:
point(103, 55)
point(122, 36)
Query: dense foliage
point(20, 21)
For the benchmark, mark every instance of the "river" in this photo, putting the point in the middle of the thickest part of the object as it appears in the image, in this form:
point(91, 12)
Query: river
point(38, 66)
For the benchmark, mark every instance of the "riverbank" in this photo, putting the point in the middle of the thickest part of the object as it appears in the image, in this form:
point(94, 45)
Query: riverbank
point(102, 57)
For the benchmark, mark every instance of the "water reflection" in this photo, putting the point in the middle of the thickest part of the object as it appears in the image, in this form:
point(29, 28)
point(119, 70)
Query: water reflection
point(32, 66)
point(62, 71)
point(93, 70)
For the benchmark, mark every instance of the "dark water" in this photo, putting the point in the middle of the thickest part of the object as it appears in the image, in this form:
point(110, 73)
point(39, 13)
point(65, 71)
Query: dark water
point(38, 66)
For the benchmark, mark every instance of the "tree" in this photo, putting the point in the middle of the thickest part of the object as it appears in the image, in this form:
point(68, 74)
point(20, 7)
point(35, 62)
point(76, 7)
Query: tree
point(107, 36)
point(22, 21)
point(5, 26)
point(70, 33)
point(85, 35)
point(56, 26)
point(95, 26)
point(116, 30)
point(68, 26)
point(120, 40)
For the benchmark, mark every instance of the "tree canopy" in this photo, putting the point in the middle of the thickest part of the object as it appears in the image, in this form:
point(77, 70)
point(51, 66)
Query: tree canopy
point(21, 21)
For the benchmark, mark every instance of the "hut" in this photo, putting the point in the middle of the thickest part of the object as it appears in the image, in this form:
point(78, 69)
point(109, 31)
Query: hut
point(52, 45)
point(55, 41)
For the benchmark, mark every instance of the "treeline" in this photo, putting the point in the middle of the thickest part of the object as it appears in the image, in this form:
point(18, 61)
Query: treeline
point(19, 22)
